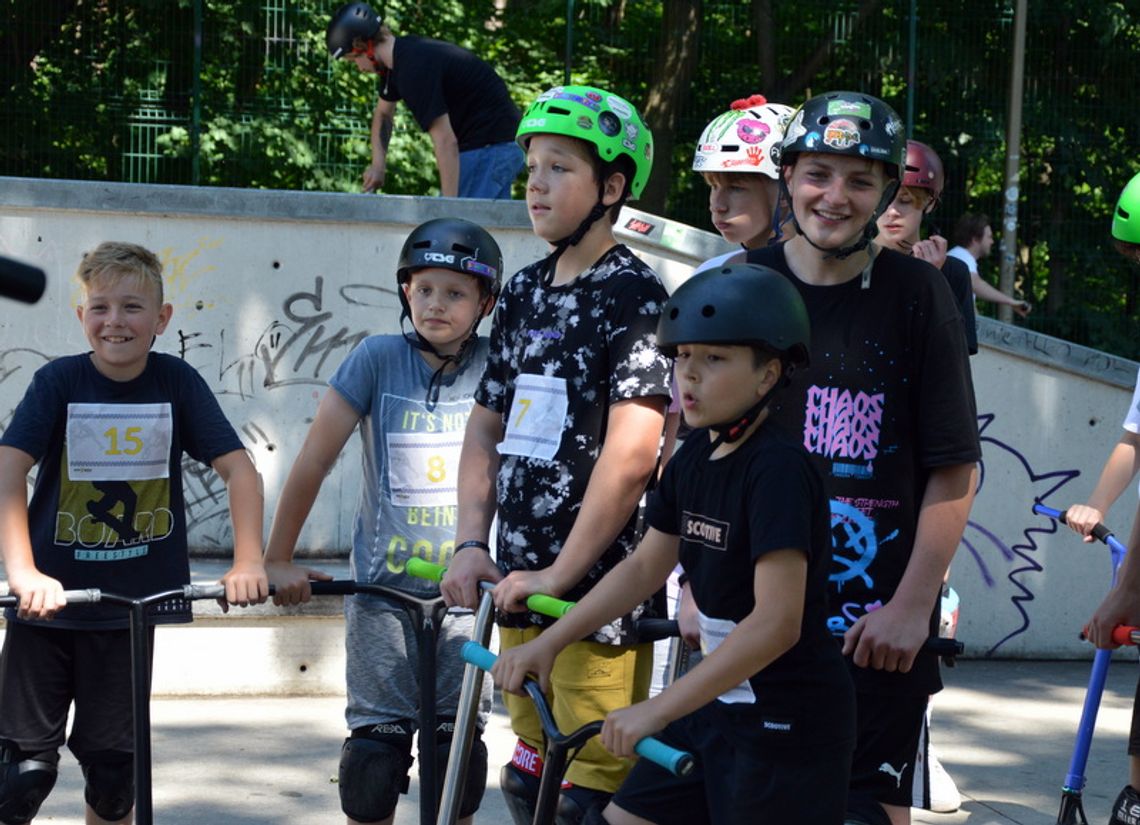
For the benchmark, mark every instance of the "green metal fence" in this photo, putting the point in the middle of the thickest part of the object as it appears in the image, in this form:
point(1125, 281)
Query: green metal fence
point(241, 93)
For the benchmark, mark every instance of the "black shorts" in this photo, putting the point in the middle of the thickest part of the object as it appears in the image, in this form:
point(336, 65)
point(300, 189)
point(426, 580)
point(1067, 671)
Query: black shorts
point(891, 753)
point(730, 786)
point(44, 669)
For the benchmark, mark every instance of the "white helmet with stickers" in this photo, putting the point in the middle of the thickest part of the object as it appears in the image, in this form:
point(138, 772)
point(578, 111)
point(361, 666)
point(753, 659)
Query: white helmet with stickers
point(746, 138)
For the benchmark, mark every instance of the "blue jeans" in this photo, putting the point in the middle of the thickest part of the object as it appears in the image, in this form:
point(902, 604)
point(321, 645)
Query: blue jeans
point(489, 172)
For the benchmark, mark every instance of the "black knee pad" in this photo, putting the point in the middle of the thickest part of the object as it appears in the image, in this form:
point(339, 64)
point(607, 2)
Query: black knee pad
point(110, 777)
point(520, 792)
point(475, 782)
point(863, 809)
point(25, 781)
point(373, 771)
point(575, 804)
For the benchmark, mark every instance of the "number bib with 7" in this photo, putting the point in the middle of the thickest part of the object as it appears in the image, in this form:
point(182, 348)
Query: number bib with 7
point(537, 418)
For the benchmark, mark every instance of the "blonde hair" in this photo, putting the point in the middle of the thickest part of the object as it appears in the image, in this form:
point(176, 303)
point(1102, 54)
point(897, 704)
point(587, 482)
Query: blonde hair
point(117, 259)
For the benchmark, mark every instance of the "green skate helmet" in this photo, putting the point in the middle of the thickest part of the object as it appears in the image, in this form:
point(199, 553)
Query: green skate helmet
point(1126, 218)
point(609, 123)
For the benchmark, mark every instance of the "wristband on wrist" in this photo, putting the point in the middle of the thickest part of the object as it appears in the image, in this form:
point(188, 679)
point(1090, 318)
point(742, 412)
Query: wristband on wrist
point(463, 545)
point(682, 579)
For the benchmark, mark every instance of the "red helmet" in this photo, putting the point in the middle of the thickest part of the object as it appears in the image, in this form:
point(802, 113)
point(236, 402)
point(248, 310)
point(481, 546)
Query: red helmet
point(923, 169)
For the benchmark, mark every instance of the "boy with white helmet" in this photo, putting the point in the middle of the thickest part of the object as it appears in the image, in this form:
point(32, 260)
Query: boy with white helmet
point(738, 155)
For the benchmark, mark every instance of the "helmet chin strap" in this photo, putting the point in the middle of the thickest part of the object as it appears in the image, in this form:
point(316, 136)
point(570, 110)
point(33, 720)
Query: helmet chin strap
point(575, 237)
point(416, 340)
point(732, 431)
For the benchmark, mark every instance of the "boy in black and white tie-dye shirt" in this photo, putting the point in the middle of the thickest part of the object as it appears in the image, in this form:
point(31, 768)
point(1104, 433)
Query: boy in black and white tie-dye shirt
point(566, 428)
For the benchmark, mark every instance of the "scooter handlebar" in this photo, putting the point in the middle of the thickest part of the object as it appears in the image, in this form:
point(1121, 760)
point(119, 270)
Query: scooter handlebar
point(86, 596)
point(1125, 635)
point(676, 761)
point(1099, 531)
point(538, 603)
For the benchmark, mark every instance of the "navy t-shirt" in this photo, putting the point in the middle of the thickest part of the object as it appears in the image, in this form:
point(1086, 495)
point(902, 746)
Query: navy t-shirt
point(107, 508)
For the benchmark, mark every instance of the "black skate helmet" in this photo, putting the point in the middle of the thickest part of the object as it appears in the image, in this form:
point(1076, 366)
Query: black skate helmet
point(455, 244)
point(854, 124)
point(351, 22)
point(740, 304)
point(458, 245)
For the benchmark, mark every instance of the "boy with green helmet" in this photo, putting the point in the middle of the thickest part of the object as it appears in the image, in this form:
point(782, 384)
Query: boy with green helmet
point(769, 712)
point(609, 133)
point(565, 431)
point(886, 411)
point(1122, 604)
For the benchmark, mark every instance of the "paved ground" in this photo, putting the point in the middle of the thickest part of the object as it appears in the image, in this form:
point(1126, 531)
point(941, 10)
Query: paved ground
point(1004, 730)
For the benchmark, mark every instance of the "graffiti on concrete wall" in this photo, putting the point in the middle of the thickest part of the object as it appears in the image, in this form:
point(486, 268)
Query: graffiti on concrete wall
point(1008, 557)
point(303, 346)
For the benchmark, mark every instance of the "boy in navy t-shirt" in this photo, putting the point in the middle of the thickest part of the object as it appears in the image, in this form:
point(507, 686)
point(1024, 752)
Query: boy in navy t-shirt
point(107, 429)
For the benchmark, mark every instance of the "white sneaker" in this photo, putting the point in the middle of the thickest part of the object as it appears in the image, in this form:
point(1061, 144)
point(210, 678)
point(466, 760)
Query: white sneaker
point(944, 796)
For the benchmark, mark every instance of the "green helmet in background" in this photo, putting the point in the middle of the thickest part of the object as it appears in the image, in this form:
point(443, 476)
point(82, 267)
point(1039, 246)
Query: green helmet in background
point(606, 121)
point(1126, 218)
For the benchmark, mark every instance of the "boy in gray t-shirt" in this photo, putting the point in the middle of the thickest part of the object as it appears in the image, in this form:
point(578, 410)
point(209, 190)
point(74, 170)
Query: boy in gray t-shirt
point(410, 395)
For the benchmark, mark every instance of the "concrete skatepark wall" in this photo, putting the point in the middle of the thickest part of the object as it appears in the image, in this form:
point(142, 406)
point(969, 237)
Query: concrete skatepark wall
point(272, 289)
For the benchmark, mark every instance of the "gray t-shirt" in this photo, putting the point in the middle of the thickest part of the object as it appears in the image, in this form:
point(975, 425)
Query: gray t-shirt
point(410, 458)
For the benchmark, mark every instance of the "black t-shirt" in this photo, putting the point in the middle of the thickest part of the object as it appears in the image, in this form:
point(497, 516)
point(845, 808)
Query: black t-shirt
point(435, 77)
point(107, 509)
point(887, 398)
point(958, 276)
point(728, 513)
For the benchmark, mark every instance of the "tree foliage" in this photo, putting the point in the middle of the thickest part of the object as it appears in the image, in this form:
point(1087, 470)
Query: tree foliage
point(116, 90)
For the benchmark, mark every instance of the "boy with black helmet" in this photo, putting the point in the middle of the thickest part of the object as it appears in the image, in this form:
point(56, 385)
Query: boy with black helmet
point(410, 395)
point(769, 712)
point(456, 97)
point(565, 432)
point(1122, 604)
point(886, 412)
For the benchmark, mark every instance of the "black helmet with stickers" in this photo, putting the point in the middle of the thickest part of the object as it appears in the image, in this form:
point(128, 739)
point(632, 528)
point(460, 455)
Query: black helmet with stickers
point(847, 123)
point(738, 305)
point(351, 22)
point(852, 124)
